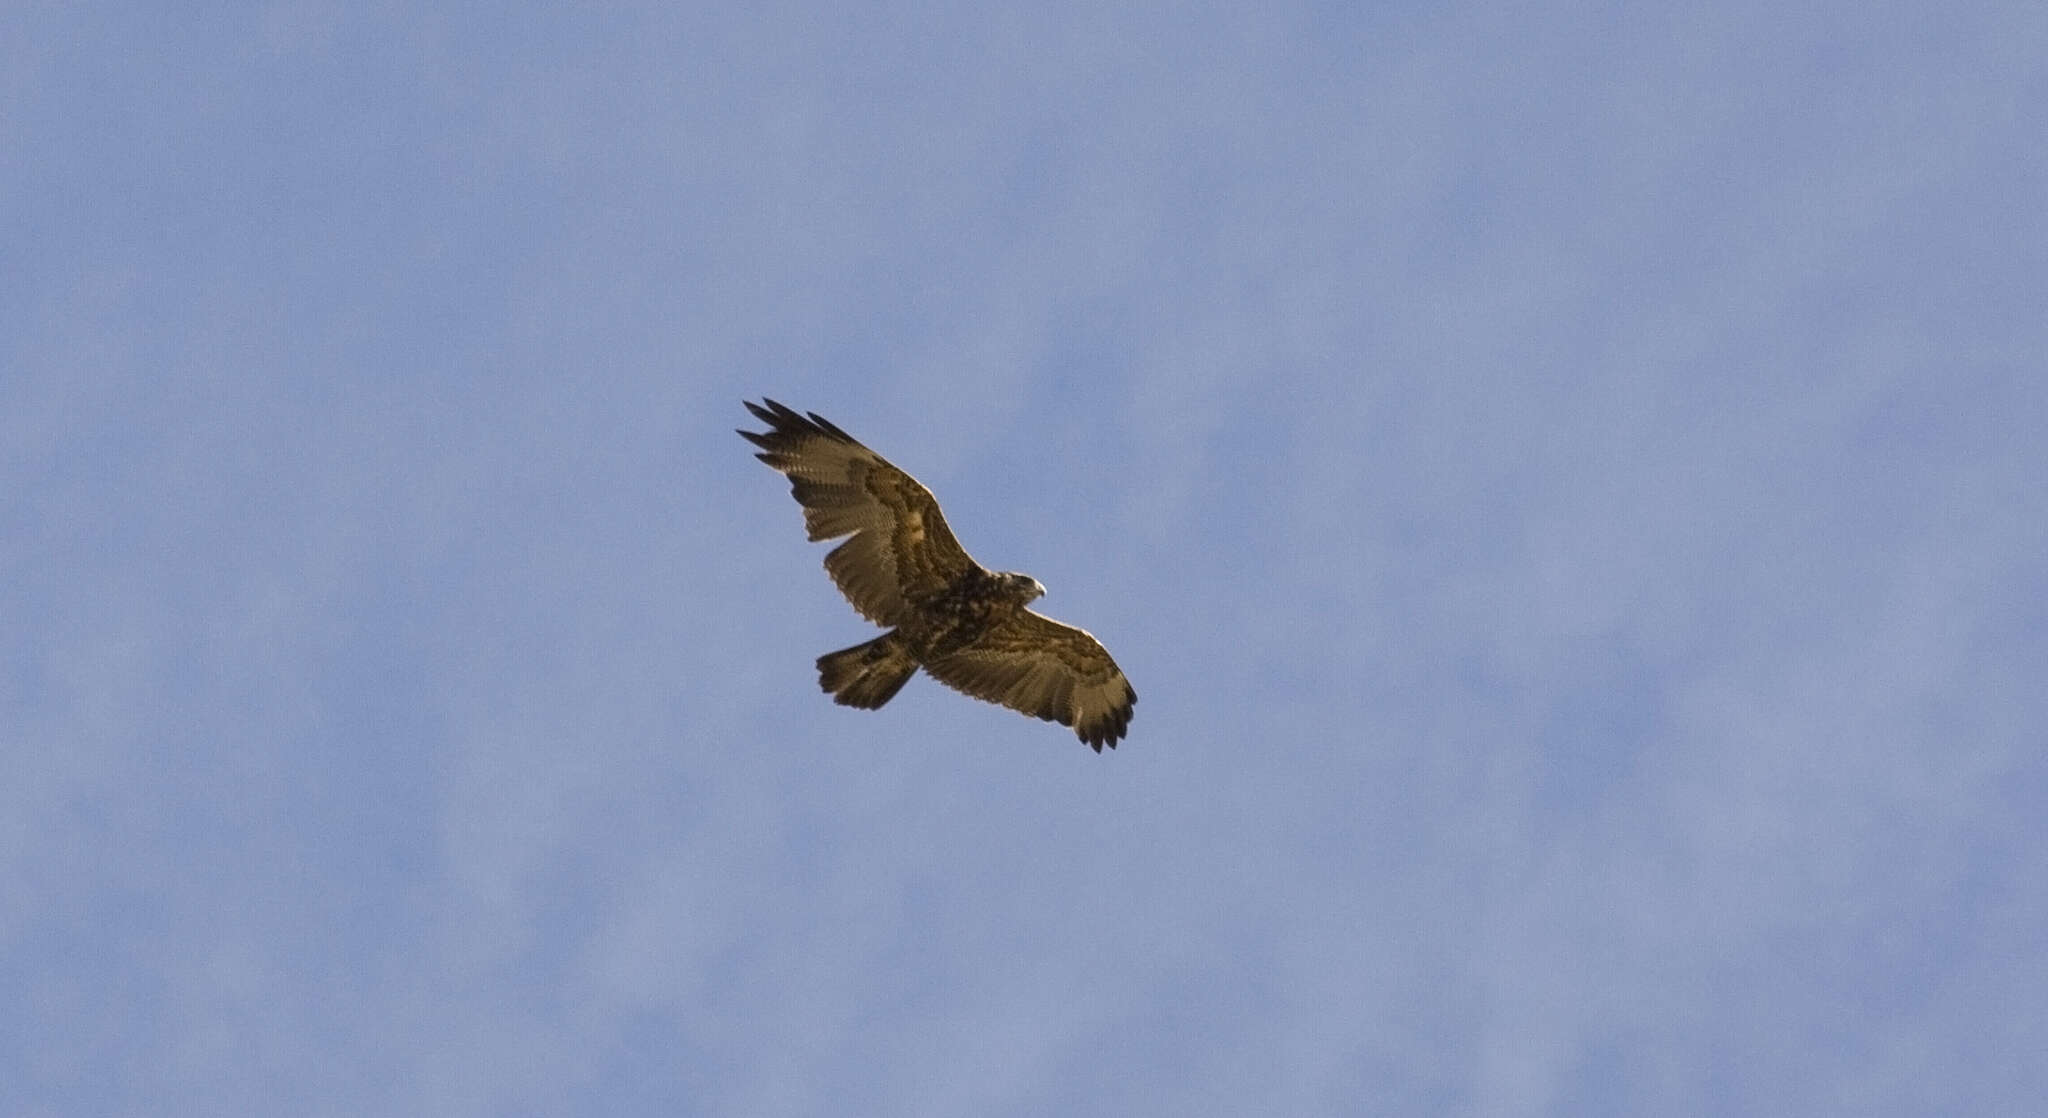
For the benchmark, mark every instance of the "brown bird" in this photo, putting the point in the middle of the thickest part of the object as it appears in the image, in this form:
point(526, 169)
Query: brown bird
point(901, 568)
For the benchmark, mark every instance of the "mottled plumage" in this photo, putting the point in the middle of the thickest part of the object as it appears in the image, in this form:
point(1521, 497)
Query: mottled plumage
point(902, 569)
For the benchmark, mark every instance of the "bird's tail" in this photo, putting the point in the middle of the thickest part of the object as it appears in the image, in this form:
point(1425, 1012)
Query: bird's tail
point(867, 675)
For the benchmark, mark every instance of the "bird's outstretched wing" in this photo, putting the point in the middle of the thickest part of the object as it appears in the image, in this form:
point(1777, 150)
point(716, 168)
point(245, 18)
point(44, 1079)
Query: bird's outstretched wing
point(899, 551)
point(1048, 670)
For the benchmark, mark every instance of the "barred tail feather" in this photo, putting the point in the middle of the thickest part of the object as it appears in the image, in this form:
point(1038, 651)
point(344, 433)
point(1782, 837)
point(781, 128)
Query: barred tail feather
point(867, 675)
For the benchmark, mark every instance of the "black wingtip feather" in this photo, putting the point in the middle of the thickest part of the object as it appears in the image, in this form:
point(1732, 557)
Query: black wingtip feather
point(829, 427)
point(785, 420)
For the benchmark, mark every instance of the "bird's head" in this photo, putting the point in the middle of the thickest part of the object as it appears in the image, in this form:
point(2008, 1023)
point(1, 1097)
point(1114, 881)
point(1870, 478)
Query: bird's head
point(1026, 588)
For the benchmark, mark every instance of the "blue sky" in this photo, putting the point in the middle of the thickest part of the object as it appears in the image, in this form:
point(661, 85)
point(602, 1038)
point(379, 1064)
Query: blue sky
point(1565, 480)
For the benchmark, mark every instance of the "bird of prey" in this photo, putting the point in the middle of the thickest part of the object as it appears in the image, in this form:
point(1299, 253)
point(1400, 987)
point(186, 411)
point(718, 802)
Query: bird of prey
point(902, 569)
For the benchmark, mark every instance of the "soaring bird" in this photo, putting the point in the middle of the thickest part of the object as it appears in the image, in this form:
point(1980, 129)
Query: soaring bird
point(902, 569)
